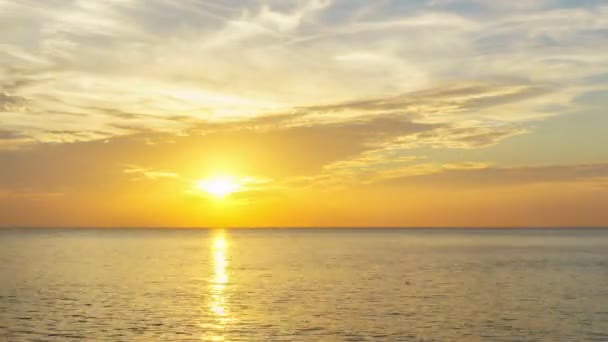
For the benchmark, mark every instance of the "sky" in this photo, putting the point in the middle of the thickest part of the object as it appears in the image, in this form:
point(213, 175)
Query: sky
point(320, 113)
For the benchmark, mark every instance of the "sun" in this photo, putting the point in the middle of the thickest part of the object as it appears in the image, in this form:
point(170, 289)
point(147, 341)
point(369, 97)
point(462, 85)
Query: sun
point(218, 187)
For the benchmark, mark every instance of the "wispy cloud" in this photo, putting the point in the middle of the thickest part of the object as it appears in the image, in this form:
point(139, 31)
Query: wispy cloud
point(141, 173)
point(480, 175)
point(80, 67)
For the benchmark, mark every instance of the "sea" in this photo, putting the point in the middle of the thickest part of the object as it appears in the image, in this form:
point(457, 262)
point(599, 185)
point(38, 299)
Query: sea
point(304, 284)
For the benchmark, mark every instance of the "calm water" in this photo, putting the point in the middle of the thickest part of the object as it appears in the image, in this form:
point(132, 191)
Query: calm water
point(304, 285)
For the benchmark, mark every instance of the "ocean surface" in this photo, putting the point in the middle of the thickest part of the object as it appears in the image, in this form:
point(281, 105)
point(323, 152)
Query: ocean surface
point(304, 285)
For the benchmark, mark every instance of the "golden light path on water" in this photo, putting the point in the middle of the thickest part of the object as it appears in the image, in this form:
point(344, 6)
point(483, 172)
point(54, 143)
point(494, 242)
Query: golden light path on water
point(219, 280)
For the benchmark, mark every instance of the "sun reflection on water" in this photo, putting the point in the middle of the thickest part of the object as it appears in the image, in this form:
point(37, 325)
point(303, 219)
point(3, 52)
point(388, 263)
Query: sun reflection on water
point(219, 281)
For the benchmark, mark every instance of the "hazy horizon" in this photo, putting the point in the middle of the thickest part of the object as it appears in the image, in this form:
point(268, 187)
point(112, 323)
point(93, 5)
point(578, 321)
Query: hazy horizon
point(314, 227)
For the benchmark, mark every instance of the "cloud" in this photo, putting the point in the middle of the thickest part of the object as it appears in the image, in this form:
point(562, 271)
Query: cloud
point(378, 170)
point(11, 103)
point(263, 148)
point(11, 140)
point(10, 135)
point(456, 104)
point(480, 175)
point(81, 68)
point(141, 173)
point(409, 172)
point(471, 137)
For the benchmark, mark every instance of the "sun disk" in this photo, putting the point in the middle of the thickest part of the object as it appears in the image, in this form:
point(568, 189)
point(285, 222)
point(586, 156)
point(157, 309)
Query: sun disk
point(218, 186)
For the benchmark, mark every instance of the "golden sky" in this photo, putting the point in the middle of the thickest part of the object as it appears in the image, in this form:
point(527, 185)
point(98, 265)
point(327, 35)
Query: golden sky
point(303, 113)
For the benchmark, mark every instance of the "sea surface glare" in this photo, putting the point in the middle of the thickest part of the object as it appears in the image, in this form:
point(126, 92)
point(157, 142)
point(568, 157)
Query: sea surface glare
point(303, 285)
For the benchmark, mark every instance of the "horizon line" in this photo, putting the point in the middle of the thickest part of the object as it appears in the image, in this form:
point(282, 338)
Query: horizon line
point(303, 227)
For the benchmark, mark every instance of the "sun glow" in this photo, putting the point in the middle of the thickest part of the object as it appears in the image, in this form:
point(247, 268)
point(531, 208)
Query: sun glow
point(219, 187)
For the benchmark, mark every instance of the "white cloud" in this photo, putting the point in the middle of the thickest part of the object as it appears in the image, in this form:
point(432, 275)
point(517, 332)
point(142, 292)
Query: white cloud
point(83, 70)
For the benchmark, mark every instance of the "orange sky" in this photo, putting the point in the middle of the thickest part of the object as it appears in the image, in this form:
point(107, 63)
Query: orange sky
point(303, 113)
